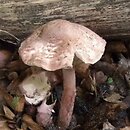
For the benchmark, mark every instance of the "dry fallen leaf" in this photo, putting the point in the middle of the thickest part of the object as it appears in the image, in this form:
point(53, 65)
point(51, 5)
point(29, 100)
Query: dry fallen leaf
point(8, 113)
point(13, 86)
point(114, 98)
point(80, 67)
point(3, 125)
point(30, 123)
point(125, 128)
point(90, 83)
point(108, 126)
point(9, 99)
point(18, 103)
point(126, 102)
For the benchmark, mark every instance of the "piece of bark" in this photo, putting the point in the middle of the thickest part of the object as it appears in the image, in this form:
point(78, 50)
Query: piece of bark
point(110, 19)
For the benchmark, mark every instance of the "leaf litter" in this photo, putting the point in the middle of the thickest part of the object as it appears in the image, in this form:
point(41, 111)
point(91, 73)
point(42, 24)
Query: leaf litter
point(102, 101)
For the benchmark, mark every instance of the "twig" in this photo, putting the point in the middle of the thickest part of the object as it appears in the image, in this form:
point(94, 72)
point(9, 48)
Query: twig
point(10, 35)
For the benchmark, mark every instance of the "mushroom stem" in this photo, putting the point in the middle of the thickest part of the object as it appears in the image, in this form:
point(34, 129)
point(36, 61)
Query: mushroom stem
point(68, 98)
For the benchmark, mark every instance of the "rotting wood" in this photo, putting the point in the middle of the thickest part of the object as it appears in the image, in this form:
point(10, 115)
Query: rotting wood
point(110, 19)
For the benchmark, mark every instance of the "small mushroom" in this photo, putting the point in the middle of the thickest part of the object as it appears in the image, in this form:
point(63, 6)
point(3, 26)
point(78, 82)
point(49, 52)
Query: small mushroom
point(53, 46)
point(35, 87)
point(44, 116)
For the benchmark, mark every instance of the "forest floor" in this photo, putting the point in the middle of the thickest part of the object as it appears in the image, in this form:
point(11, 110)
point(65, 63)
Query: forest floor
point(103, 92)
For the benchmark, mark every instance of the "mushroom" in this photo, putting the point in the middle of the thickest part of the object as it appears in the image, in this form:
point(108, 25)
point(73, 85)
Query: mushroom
point(35, 87)
point(53, 46)
point(44, 116)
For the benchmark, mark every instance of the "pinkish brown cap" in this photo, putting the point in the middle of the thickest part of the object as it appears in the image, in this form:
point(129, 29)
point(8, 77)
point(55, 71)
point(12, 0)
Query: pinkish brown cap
point(54, 45)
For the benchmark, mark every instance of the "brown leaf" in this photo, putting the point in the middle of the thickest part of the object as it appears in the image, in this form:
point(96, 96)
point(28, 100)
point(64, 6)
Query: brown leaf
point(126, 102)
point(3, 126)
point(80, 67)
point(8, 98)
point(13, 86)
point(30, 123)
point(114, 98)
point(125, 128)
point(89, 83)
point(18, 103)
point(8, 113)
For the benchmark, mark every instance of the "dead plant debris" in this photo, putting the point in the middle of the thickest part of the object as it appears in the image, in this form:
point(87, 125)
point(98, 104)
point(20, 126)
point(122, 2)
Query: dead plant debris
point(102, 101)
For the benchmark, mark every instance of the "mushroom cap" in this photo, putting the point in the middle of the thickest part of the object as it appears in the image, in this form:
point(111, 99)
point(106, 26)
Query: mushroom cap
point(35, 87)
point(54, 45)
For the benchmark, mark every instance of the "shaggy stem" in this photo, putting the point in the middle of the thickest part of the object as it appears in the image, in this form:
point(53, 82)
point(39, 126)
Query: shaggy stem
point(68, 98)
